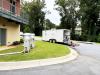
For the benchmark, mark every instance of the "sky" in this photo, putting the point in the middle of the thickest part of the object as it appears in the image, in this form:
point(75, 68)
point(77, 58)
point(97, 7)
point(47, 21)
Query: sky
point(53, 16)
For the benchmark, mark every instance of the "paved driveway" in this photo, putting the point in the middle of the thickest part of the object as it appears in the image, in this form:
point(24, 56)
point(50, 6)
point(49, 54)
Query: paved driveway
point(88, 63)
point(91, 50)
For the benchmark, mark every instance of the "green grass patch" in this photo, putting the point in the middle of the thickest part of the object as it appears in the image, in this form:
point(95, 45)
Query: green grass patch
point(0, 46)
point(97, 43)
point(39, 36)
point(16, 49)
point(42, 50)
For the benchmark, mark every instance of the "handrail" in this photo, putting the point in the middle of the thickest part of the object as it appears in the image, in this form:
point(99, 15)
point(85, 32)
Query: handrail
point(14, 16)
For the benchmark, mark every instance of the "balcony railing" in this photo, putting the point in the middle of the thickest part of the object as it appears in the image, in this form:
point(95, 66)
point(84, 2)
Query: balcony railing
point(14, 17)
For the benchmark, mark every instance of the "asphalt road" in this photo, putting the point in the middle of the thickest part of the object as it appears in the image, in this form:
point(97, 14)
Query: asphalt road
point(88, 63)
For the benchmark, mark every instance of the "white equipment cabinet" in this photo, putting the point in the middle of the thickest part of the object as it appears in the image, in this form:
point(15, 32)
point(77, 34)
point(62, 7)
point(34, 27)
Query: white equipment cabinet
point(56, 35)
point(32, 40)
point(28, 41)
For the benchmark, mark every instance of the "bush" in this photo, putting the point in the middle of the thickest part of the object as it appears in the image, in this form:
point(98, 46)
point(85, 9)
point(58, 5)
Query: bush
point(91, 38)
point(21, 41)
point(98, 40)
point(16, 43)
point(76, 37)
point(84, 37)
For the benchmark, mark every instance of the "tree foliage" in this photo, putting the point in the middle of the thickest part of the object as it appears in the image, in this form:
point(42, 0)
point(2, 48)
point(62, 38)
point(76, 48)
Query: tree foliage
point(36, 16)
point(49, 24)
point(68, 13)
point(25, 15)
point(89, 11)
point(33, 10)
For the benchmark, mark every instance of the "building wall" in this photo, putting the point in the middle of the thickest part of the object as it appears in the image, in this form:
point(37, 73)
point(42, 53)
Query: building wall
point(18, 7)
point(6, 5)
point(13, 31)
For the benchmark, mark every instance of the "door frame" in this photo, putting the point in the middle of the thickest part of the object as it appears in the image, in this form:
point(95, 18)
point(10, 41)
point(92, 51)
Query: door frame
point(5, 36)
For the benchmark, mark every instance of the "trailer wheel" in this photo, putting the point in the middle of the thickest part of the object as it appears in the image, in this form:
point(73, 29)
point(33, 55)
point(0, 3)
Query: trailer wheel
point(54, 41)
point(50, 40)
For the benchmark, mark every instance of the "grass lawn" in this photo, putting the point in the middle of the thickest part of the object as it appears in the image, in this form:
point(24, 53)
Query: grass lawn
point(42, 50)
point(16, 49)
point(0, 46)
point(39, 36)
point(97, 43)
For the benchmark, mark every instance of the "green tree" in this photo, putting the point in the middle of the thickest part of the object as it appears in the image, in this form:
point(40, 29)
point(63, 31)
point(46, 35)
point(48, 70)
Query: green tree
point(89, 11)
point(49, 24)
point(26, 29)
point(68, 13)
point(36, 16)
point(25, 9)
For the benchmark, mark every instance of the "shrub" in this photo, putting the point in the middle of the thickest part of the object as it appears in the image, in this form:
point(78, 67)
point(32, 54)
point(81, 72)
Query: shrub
point(76, 37)
point(21, 41)
point(16, 43)
point(98, 40)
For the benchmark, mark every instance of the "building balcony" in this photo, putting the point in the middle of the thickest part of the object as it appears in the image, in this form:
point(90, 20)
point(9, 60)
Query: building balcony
point(13, 17)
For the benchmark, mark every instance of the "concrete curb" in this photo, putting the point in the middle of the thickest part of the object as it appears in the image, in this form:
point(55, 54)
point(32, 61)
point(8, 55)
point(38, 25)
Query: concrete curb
point(36, 63)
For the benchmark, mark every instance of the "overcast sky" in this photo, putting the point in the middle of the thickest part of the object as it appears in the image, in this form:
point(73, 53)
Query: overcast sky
point(54, 15)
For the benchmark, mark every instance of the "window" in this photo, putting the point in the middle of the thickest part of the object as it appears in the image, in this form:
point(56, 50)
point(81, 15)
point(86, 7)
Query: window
point(13, 6)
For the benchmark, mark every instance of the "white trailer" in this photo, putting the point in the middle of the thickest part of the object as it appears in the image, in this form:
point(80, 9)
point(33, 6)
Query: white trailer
point(56, 35)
